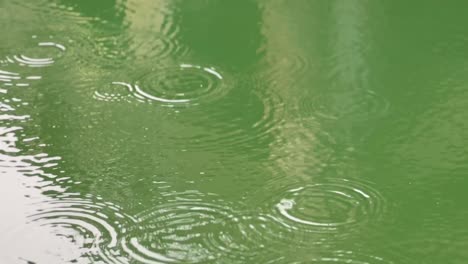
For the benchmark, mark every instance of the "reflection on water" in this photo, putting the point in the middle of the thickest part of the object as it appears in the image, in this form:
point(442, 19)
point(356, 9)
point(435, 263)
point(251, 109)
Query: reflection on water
point(138, 131)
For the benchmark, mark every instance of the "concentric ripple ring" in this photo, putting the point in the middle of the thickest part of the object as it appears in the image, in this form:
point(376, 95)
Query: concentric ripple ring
point(187, 230)
point(330, 205)
point(94, 225)
point(301, 215)
point(185, 84)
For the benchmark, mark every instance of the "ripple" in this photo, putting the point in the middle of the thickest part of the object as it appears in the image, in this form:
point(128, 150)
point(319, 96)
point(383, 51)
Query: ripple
point(128, 43)
point(94, 225)
point(166, 12)
point(120, 49)
point(223, 126)
point(115, 43)
point(303, 147)
point(266, 232)
point(273, 111)
point(284, 70)
point(343, 256)
point(307, 214)
point(42, 57)
point(186, 230)
point(358, 107)
point(327, 206)
point(115, 92)
point(266, 110)
point(52, 44)
point(8, 77)
point(183, 85)
point(52, 11)
point(31, 62)
point(164, 47)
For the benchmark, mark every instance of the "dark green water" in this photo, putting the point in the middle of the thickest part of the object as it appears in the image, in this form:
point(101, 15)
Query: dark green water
point(206, 131)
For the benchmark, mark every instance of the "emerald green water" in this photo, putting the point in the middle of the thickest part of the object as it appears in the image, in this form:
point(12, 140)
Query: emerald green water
point(206, 131)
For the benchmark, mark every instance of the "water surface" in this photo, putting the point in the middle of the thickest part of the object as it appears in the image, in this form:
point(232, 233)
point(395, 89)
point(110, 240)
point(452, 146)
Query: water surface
point(250, 131)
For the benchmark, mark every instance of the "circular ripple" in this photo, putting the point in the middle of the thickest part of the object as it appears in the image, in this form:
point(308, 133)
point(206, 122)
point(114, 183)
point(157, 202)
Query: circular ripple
point(358, 107)
point(94, 225)
point(223, 126)
point(115, 92)
point(40, 57)
point(305, 215)
point(328, 206)
point(186, 230)
point(8, 77)
point(178, 86)
point(31, 62)
point(266, 110)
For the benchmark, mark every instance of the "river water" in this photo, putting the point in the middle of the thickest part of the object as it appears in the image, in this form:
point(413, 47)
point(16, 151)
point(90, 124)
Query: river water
point(247, 131)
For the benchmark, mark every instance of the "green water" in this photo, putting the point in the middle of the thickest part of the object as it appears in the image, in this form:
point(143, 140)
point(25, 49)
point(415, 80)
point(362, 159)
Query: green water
point(207, 131)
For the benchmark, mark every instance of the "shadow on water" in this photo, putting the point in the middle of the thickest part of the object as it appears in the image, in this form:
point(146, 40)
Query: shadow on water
point(216, 33)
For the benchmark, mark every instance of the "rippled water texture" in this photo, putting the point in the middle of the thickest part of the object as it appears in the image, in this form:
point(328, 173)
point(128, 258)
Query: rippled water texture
point(247, 131)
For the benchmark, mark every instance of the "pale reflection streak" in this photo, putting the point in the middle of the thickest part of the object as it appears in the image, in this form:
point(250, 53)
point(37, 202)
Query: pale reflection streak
point(295, 144)
point(306, 144)
point(143, 19)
